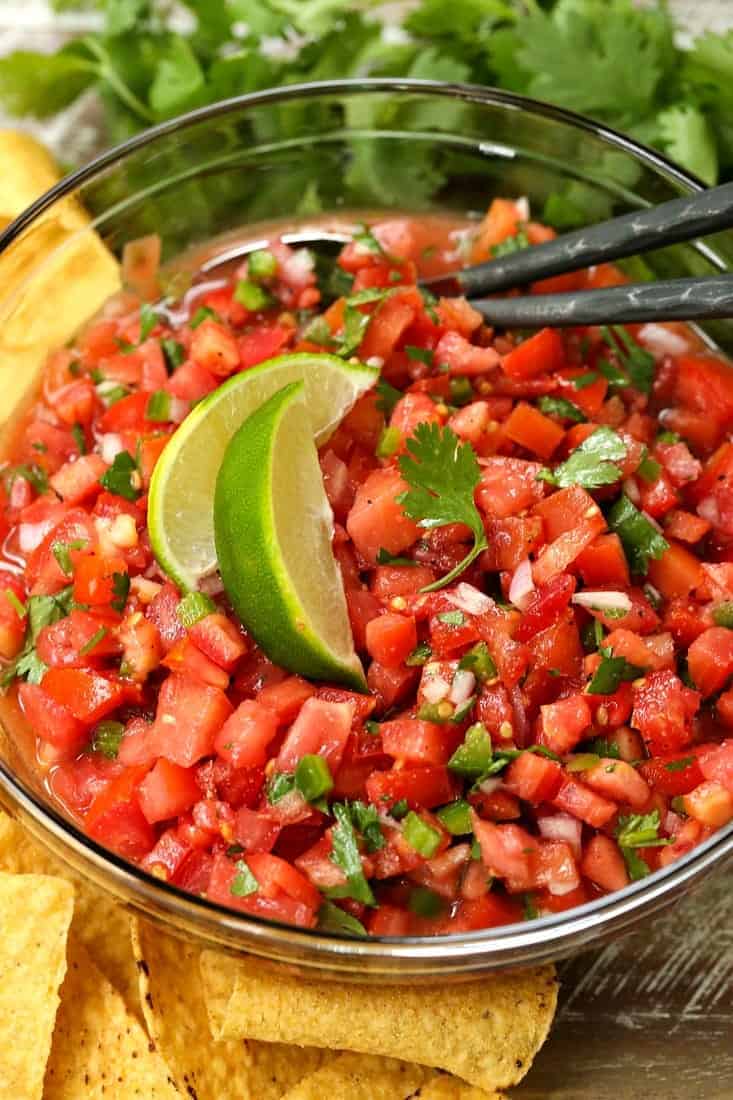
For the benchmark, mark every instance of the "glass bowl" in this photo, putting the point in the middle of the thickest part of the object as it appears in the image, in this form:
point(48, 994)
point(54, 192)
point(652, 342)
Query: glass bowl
point(313, 154)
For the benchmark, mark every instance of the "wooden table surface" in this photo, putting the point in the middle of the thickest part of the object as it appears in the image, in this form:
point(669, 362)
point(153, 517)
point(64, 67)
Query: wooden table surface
point(650, 1016)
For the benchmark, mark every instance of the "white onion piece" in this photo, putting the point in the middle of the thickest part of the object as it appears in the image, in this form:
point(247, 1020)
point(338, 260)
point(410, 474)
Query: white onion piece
point(557, 889)
point(469, 599)
point(672, 823)
point(522, 205)
point(211, 585)
point(31, 535)
point(655, 525)
point(488, 786)
point(631, 489)
point(110, 445)
point(603, 600)
point(462, 687)
point(708, 509)
point(178, 410)
point(434, 689)
point(522, 585)
point(562, 827)
point(660, 340)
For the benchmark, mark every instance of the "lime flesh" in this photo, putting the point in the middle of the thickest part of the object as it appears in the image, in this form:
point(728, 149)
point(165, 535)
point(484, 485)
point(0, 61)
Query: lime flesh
point(273, 527)
point(180, 506)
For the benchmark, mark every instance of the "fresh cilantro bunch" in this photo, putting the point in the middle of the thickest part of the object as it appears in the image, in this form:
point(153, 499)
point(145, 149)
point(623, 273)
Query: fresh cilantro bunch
point(611, 59)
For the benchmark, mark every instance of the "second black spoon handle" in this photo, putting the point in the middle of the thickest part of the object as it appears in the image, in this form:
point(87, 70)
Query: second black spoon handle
point(628, 235)
point(667, 300)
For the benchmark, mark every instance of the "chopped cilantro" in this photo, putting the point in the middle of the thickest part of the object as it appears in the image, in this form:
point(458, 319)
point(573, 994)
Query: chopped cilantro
point(529, 907)
point(148, 321)
point(385, 558)
point(174, 354)
point(399, 809)
point(602, 747)
point(582, 381)
point(421, 355)
point(636, 361)
point(313, 777)
point(19, 608)
point(203, 313)
point(387, 397)
point(479, 661)
point(93, 642)
point(366, 240)
point(420, 655)
point(592, 464)
point(31, 472)
point(345, 854)
point(278, 785)
point(510, 244)
point(244, 882)
point(122, 477)
point(611, 672)
point(107, 737)
point(640, 538)
point(560, 406)
point(442, 474)
point(648, 469)
point(79, 438)
point(424, 902)
point(679, 765)
point(638, 831)
point(121, 590)
point(62, 552)
point(451, 618)
point(332, 918)
point(41, 611)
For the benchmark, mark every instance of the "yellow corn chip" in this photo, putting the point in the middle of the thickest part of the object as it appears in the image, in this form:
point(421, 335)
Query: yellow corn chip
point(175, 1013)
point(100, 1051)
point(101, 925)
point(445, 1087)
point(486, 1032)
point(360, 1077)
point(35, 914)
point(53, 278)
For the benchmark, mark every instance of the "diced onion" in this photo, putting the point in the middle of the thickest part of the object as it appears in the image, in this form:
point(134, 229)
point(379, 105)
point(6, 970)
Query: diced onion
point(469, 599)
point(651, 519)
point(632, 490)
point(522, 585)
point(434, 689)
point(110, 445)
point(562, 827)
point(522, 205)
point(603, 600)
point(672, 823)
point(31, 535)
point(488, 786)
point(662, 340)
point(708, 509)
point(462, 687)
point(178, 409)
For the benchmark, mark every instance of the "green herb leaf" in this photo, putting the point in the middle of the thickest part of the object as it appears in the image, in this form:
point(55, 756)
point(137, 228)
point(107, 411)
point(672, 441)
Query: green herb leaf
point(244, 882)
point(345, 854)
point(560, 406)
point(120, 477)
point(473, 757)
point(278, 785)
point(93, 642)
point(610, 674)
point(592, 464)
point(640, 831)
point(62, 552)
point(174, 354)
point(424, 902)
point(638, 363)
point(385, 558)
point(442, 474)
point(313, 777)
point(107, 737)
point(148, 321)
point(479, 661)
point(387, 397)
point(420, 836)
point(641, 540)
point(121, 590)
point(332, 918)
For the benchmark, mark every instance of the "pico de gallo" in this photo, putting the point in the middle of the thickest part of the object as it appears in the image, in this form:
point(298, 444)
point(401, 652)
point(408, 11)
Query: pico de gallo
point(535, 533)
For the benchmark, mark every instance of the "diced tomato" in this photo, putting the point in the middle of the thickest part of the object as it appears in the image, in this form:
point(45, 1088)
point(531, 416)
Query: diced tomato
point(419, 742)
point(188, 718)
point(678, 773)
point(66, 644)
point(413, 409)
point(76, 481)
point(286, 698)
point(390, 639)
point(55, 722)
point(545, 606)
point(603, 863)
point(677, 573)
point(244, 737)
point(217, 637)
point(94, 578)
point(162, 611)
point(456, 354)
point(255, 831)
point(618, 781)
point(509, 852)
point(187, 658)
point(710, 660)
point(508, 486)
point(716, 763)
point(281, 907)
point(389, 920)
point(321, 728)
point(579, 801)
point(685, 526)
point(388, 322)
point(556, 868)
point(166, 791)
point(400, 580)
point(116, 820)
point(711, 804)
point(543, 353)
point(88, 695)
point(44, 575)
point(168, 858)
point(533, 778)
point(511, 540)
point(376, 521)
point(428, 785)
point(604, 563)
point(263, 343)
point(563, 724)
point(214, 348)
point(501, 221)
point(663, 711)
point(533, 430)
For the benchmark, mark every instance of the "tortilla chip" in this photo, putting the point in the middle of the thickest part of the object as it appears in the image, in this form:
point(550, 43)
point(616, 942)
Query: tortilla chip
point(445, 1087)
point(99, 1050)
point(486, 1032)
point(171, 993)
point(99, 922)
point(35, 914)
point(53, 278)
point(360, 1077)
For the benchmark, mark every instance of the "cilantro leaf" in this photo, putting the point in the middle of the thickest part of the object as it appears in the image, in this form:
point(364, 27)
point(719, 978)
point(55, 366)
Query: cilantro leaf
point(244, 882)
point(366, 820)
point(611, 672)
point(387, 397)
point(41, 84)
point(560, 406)
point(442, 474)
point(178, 79)
point(345, 854)
point(688, 137)
point(638, 831)
point(107, 737)
point(120, 477)
point(41, 611)
point(331, 918)
point(641, 540)
point(638, 363)
point(592, 464)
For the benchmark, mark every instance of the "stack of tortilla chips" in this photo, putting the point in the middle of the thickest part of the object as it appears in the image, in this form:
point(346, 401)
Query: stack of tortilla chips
point(95, 1003)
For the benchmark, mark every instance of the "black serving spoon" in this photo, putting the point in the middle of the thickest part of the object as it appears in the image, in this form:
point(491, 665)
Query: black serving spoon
point(628, 235)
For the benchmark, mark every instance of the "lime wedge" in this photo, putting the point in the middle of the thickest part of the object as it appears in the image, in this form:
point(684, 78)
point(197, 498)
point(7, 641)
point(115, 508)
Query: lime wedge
point(180, 505)
point(273, 527)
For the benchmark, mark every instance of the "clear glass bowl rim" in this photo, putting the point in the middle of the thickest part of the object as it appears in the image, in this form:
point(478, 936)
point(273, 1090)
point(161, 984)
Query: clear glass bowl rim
point(330, 954)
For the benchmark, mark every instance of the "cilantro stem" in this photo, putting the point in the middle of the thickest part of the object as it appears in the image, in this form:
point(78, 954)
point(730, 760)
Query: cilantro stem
point(107, 71)
point(479, 545)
